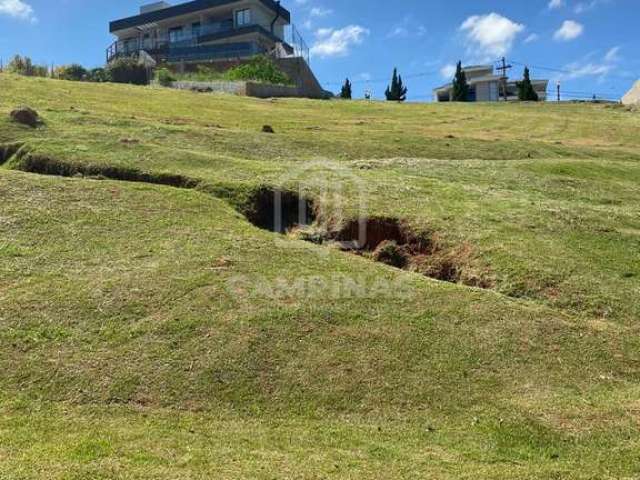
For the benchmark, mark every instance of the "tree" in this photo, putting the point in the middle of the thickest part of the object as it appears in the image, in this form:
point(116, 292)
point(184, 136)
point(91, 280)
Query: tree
point(397, 92)
point(346, 92)
point(526, 92)
point(73, 72)
point(24, 66)
point(17, 65)
point(460, 91)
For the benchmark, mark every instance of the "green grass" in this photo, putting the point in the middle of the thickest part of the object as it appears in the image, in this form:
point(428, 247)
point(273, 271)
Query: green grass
point(152, 332)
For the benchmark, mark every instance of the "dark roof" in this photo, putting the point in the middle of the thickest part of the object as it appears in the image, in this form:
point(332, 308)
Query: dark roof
point(183, 9)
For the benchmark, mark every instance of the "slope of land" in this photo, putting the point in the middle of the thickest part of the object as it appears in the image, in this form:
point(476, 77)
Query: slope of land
point(150, 331)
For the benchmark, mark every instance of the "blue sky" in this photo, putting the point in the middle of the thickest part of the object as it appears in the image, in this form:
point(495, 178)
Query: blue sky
point(591, 44)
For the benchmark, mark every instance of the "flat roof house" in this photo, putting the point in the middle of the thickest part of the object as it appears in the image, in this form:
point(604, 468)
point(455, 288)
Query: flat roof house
point(486, 86)
point(206, 31)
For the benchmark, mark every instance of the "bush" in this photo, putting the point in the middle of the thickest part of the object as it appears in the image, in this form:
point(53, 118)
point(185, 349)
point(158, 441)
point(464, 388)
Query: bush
point(98, 75)
point(165, 77)
point(127, 70)
point(24, 66)
point(205, 74)
point(73, 72)
point(390, 253)
point(259, 69)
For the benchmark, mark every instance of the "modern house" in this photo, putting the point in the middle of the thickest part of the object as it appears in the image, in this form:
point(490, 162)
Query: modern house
point(486, 86)
point(207, 31)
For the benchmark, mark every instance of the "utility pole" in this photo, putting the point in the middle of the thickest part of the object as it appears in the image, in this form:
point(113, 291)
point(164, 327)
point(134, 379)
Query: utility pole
point(558, 87)
point(504, 77)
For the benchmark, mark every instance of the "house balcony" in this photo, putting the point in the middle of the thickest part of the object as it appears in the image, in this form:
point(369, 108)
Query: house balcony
point(196, 43)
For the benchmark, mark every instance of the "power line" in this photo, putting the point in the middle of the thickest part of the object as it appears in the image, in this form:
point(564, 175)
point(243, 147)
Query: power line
point(387, 80)
point(538, 67)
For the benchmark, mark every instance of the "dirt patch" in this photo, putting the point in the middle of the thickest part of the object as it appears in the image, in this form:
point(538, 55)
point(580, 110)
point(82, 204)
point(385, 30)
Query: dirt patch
point(278, 210)
point(369, 233)
point(26, 116)
point(395, 243)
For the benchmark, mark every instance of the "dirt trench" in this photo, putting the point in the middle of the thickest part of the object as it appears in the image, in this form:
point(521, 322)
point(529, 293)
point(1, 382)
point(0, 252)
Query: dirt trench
point(48, 166)
point(383, 239)
point(387, 240)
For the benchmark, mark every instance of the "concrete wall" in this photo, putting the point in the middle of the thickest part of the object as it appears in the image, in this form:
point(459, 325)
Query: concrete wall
point(263, 90)
point(249, 89)
point(235, 88)
point(301, 74)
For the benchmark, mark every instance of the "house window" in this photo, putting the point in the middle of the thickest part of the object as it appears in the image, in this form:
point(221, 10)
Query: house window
point(130, 45)
point(175, 34)
point(243, 17)
point(195, 29)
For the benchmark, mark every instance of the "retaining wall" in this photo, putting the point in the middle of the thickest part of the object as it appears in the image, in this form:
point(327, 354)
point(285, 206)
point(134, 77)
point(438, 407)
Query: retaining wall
point(249, 89)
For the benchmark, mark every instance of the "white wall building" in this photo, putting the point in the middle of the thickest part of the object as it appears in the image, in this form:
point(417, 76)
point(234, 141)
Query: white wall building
point(486, 86)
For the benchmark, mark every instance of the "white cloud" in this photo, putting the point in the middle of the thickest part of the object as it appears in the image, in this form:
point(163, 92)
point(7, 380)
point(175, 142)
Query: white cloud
point(17, 9)
point(534, 37)
point(578, 70)
point(612, 55)
point(491, 35)
point(337, 43)
point(555, 4)
point(407, 28)
point(320, 12)
point(448, 71)
point(582, 7)
point(398, 31)
point(569, 30)
point(593, 67)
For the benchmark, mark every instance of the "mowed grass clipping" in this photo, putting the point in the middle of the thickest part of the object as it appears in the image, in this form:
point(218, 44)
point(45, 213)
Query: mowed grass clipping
point(152, 332)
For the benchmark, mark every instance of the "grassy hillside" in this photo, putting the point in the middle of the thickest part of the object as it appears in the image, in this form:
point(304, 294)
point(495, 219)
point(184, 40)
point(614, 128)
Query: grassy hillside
point(153, 332)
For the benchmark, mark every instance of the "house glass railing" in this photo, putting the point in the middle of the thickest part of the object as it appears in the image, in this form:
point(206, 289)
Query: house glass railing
point(294, 44)
point(293, 38)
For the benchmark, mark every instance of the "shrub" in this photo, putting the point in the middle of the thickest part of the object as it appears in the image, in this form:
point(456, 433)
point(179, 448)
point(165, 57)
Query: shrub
point(390, 253)
point(127, 70)
point(24, 66)
point(204, 74)
point(259, 69)
point(98, 75)
point(73, 72)
point(165, 77)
